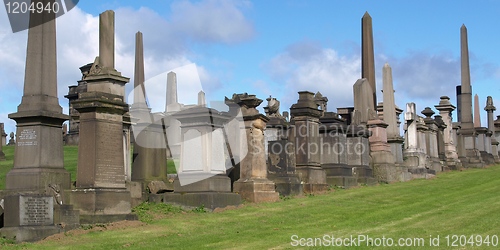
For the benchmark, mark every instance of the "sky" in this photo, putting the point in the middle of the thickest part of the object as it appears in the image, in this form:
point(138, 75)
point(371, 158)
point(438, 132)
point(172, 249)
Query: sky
point(273, 48)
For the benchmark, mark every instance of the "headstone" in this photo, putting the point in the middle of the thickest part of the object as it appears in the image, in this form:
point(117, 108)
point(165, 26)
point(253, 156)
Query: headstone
point(467, 127)
point(445, 109)
point(305, 135)
point(364, 108)
point(101, 194)
point(367, 54)
point(390, 115)
point(414, 153)
point(38, 155)
point(253, 184)
point(490, 108)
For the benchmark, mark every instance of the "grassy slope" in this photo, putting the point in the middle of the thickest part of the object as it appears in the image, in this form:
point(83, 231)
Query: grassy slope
point(463, 203)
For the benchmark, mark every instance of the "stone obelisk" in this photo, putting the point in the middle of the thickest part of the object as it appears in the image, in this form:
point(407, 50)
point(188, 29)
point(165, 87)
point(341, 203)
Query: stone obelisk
point(367, 54)
point(467, 126)
point(38, 157)
point(149, 157)
point(101, 194)
point(172, 103)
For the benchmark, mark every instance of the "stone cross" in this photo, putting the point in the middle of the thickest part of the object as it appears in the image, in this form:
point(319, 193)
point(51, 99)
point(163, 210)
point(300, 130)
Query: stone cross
point(367, 54)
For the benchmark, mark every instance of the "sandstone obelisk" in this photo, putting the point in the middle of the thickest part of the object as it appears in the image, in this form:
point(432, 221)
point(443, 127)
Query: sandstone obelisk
point(139, 88)
point(467, 126)
point(172, 103)
point(477, 112)
point(38, 157)
point(389, 107)
point(367, 54)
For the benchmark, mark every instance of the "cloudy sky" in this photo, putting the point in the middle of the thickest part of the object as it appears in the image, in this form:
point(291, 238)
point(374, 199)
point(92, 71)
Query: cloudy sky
point(273, 48)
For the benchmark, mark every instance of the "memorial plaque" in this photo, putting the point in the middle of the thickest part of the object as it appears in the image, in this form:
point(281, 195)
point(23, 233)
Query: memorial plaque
point(27, 137)
point(36, 210)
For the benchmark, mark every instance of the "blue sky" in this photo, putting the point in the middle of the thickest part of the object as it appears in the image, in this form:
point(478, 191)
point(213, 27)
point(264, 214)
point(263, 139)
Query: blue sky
point(276, 48)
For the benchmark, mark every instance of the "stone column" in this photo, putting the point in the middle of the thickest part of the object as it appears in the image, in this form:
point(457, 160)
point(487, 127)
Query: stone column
point(171, 107)
point(367, 54)
point(483, 135)
point(467, 127)
point(490, 108)
point(305, 135)
point(253, 184)
point(450, 143)
point(414, 156)
point(440, 137)
point(431, 139)
point(101, 194)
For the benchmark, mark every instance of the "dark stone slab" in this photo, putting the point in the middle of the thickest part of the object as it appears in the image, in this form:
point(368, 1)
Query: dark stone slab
point(209, 200)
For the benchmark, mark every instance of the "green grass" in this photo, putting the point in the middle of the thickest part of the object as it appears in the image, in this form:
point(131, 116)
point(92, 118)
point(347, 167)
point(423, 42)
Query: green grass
point(6, 165)
point(454, 203)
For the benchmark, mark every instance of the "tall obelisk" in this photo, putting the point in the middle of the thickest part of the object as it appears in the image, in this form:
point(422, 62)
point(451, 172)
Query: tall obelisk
point(477, 112)
point(389, 106)
point(367, 54)
point(38, 157)
point(467, 126)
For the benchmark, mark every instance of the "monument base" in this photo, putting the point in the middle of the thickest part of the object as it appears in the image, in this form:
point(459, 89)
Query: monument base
point(29, 233)
point(339, 175)
point(474, 159)
point(313, 179)
point(421, 173)
point(101, 205)
point(286, 184)
point(21, 179)
point(435, 164)
point(389, 173)
point(209, 200)
point(256, 190)
point(364, 175)
point(487, 157)
point(202, 183)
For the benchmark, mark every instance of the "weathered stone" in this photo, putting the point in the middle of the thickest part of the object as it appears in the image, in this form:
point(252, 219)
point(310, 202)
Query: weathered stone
point(2, 155)
point(368, 56)
point(364, 108)
point(490, 108)
point(445, 109)
point(253, 184)
point(305, 135)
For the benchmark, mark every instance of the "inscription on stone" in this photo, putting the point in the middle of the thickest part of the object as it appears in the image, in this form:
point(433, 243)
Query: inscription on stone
point(109, 170)
point(36, 210)
point(27, 137)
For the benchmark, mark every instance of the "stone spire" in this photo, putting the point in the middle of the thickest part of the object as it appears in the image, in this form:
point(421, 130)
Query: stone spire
point(466, 91)
point(477, 113)
point(367, 54)
point(389, 104)
point(201, 98)
point(39, 117)
point(139, 89)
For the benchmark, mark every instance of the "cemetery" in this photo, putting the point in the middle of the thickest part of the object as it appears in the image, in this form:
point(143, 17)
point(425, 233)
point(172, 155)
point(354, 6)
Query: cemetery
point(196, 156)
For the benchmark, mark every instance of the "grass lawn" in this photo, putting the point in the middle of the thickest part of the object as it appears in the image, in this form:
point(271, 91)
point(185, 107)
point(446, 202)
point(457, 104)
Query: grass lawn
point(454, 203)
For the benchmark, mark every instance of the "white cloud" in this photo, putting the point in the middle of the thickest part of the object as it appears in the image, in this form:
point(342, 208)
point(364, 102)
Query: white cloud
point(308, 66)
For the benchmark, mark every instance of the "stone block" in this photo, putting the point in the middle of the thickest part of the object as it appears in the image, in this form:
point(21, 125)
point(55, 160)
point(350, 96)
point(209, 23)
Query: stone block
point(209, 200)
point(256, 190)
point(210, 183)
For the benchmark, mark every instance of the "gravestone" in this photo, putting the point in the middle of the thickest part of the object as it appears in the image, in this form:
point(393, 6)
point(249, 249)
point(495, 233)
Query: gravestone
point(305, 136)
point(432, 135)
point(253, 185)
point(483, 135)
point(280, 152)
point(201, 176)
point(445, 109)
point(415, 157)
point(149, 157)
point(101, 194)
point(390, 114)
point(38, 176)
point(490, 108)
point(467, 130)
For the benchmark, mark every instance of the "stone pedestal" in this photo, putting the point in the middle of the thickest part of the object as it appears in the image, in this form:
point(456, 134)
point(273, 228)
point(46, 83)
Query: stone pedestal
point(201, 176)
point(253, 185)
point(333, 138)
point(450, 132)
point(305, 135)
point(281, 168)
point(484, 145)
point(432, 140)
point(358, 154)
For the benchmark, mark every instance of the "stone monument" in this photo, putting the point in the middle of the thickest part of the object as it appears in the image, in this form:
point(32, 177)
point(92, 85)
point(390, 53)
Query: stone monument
point(101, 194)
point(253, 184)
point(367, 54)
point(450, 143)
point(2, 155)
point(390, 116)
point(490, 108)
point(483, 135)
point(467, 127)
point(431, 139)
